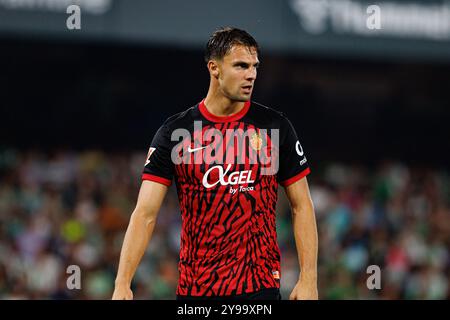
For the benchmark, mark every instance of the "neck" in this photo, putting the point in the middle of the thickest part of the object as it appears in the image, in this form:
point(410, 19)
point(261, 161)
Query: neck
point(221, 106)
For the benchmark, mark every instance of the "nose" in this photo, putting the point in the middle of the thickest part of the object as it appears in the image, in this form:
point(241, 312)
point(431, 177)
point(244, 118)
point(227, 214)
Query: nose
point(251, 74)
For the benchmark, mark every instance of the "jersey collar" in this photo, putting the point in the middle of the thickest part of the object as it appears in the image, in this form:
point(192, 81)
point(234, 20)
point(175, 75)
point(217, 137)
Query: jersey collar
point(234, 117)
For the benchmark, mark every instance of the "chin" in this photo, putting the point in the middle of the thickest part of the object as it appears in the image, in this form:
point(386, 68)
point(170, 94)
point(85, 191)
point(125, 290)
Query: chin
point(243, 98)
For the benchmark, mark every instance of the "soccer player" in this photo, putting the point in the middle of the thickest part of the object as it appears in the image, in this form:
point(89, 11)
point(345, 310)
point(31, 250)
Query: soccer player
point(227, 155)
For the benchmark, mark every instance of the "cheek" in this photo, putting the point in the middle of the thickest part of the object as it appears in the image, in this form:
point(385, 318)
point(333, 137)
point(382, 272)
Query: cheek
point(230, 80)
point(233, 79)
point(227, 79)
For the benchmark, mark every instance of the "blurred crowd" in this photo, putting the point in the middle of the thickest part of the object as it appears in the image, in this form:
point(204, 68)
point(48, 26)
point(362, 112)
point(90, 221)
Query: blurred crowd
point(65, 208)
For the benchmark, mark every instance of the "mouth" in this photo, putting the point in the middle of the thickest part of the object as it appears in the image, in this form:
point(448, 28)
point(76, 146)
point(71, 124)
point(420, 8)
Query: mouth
point(247, 88)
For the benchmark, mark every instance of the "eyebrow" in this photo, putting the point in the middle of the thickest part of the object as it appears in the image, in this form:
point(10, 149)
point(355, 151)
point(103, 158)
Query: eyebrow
point(237, 63)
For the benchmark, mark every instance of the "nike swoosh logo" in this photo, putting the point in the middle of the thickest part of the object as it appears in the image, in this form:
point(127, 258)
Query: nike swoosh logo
point(195, 149)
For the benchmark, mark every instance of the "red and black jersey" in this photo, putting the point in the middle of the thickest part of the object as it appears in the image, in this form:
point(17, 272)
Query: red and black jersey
point(227, 171)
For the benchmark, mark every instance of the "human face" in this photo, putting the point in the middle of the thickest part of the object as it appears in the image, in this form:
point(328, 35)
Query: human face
point(237, 73)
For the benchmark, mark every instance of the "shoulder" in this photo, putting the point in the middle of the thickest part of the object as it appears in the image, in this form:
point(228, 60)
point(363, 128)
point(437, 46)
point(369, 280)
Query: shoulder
point(263, 109)
point(181, 119)
point(268, 114)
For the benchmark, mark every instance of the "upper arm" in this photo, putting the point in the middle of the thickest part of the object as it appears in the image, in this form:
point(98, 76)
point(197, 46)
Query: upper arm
point(298, 195)
point(157, 175)
point(150, 199)
point(293, 165)
point(159, 166)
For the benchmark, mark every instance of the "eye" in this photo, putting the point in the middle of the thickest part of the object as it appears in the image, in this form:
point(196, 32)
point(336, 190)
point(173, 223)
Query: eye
point(242, 65)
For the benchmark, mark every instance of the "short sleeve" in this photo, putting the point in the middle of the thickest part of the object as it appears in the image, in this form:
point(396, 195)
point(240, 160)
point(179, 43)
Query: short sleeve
point(159, 166)
point(293, 163)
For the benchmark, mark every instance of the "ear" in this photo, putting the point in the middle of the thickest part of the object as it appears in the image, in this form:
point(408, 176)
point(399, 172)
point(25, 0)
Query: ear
point(213, 68)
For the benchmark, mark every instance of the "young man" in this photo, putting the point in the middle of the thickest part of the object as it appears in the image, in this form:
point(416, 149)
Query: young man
point(227, 156)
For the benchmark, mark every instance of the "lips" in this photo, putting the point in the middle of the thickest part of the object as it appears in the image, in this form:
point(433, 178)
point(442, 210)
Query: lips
point(247, 88)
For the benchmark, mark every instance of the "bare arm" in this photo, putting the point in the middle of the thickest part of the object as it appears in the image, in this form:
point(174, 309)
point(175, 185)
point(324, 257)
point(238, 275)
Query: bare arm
point(139, 232)
point(305, 233)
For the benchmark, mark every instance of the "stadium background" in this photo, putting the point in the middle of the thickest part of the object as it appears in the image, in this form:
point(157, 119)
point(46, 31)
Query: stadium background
point(78, 109)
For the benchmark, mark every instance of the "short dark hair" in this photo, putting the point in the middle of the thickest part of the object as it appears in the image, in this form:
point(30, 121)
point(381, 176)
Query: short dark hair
point(222, 40)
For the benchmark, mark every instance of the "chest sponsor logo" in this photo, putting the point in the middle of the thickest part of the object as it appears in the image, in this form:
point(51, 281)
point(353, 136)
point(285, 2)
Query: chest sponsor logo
point(223, 178)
